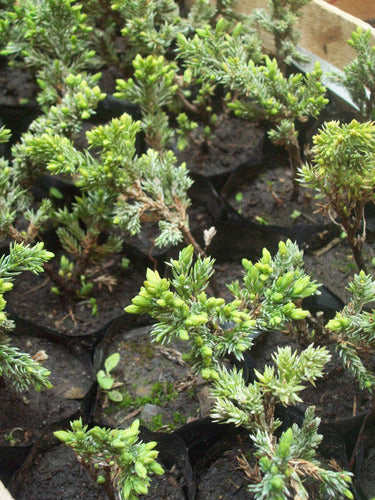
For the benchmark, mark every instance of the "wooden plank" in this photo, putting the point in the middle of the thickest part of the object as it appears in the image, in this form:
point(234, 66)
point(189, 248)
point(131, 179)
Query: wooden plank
point(325, 30)
point(363, 9)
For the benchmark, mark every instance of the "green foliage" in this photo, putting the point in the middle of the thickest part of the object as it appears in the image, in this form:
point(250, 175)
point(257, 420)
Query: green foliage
point(19, 368)
point(285, 462)
point(106, 381)
point(273, 286)
point(359, 74)
point(23, 258)
point(354, 330)
point(280, 19)
point(210, 49)
point(185, 127)
point(116, 458)
point(4, 134)
point(32, 31)
point(261, 91)
point(32, 34)
point(252, 406)
point(124, 188)
point(188, 314)
point(150, 26)
point(152, 88)
point(83, 244)
point(213, 327)
point(343, 173)
point(81, 96)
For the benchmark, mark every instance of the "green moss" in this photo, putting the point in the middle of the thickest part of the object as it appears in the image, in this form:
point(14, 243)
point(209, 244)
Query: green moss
point(156, 422)
point(164, 391)
point(144, 348)
point(161, 392)
point(179, 418)
point(191, 392)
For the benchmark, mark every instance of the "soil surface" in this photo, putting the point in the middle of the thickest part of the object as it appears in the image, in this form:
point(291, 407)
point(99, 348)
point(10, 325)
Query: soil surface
point(156, 384)
point(233, 143)
point(113, 288)
point(25, 415)
point(55, 474)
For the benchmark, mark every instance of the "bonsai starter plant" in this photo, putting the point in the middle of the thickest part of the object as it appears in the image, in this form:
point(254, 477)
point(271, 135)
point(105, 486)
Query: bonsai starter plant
point(118, 187)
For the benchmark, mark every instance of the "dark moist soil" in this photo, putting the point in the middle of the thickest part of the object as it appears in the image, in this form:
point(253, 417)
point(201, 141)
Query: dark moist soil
point(18, 107)
point(224, 479)
point(32, 299)
point(233, 143)
point(55, 474)
point(17, 85)
point(266, 199)
point(25, 415)
point(156, 384)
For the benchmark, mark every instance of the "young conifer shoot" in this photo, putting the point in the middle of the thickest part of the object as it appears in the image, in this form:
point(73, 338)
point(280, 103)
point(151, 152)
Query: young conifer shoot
point(32, 32)
point(285, 462)
point(280, 19)
point(353, 329)
point(358, 75)
point(19, 368)
point(115, 458)
point(260, 90)
point(214, 328)
point(343, 173)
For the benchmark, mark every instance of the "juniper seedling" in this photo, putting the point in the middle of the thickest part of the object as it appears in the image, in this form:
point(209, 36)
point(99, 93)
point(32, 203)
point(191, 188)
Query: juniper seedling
point(150, 26)
point(261, 92)
point(133, 188)
point(19, 368)
point(153, 88)
point(227, 40)
point(285, 462)
point(216, 328)
point(157, 85)
point(359, 74)
point(342, 172)
point(353, 329)
point(28, 163)
point(119, 190)
point(115, 458)
point(280, 19)
point(32, 31)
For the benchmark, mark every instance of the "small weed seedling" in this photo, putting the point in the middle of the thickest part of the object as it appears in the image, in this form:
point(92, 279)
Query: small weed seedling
point(106, 381)
point(239, 200)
